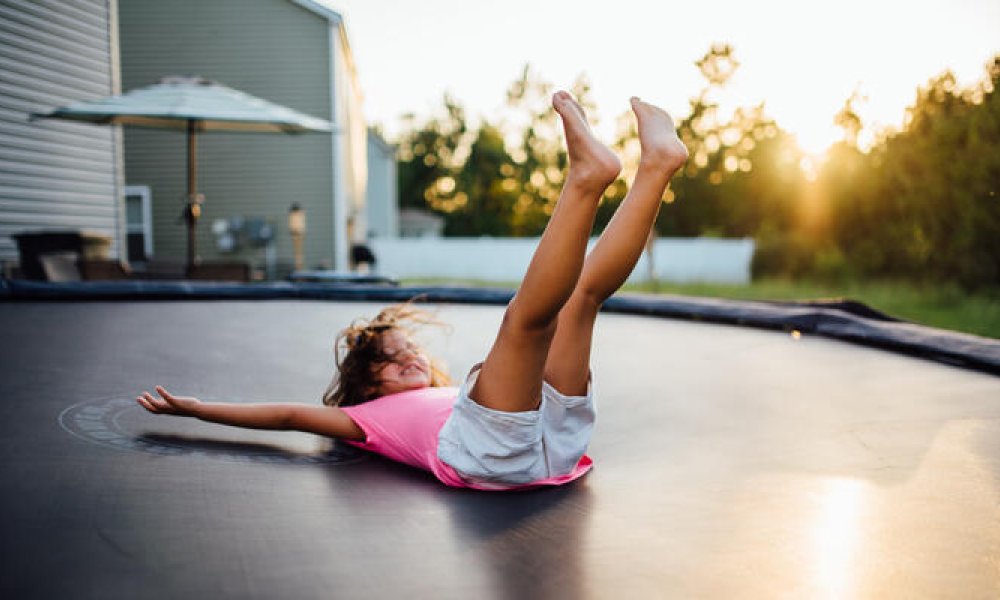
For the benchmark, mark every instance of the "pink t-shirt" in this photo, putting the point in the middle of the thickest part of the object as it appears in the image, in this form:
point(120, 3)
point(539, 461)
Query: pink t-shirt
point(405, 427)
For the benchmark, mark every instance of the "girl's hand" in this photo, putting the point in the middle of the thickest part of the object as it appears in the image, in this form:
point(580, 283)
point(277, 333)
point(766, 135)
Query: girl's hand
point(168, 404)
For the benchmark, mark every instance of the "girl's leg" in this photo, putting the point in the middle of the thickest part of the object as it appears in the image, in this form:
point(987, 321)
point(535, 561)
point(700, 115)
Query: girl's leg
point(511, 375)
point(616, 252)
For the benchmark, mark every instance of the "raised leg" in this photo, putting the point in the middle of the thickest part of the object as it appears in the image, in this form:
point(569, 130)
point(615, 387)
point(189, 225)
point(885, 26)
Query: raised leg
point(511, 376)
point(617, 251)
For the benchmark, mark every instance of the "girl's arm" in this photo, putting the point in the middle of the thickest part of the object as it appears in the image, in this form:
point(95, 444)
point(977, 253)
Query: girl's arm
point(322, 420)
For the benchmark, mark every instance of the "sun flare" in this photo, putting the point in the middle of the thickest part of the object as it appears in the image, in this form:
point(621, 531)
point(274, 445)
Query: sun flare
point(814, 141)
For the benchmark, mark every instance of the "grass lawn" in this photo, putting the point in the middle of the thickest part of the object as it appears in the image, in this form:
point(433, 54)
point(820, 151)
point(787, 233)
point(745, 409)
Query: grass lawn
point(946, 306)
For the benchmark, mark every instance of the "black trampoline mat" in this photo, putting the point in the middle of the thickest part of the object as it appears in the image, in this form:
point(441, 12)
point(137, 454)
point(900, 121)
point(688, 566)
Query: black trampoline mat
point(729, 462)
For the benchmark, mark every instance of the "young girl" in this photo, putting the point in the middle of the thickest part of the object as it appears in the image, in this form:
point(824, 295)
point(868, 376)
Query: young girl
point(523, 417)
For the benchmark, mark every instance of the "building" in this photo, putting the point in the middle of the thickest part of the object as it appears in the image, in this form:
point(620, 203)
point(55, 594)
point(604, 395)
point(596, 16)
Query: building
point(291, 52)
point(383, 195)
point(417, 223)
point(58, 175)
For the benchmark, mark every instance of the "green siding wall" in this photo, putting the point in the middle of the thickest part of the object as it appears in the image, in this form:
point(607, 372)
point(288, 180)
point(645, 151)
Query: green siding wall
point(56, 175)
point(272, 49)
point(383, 202)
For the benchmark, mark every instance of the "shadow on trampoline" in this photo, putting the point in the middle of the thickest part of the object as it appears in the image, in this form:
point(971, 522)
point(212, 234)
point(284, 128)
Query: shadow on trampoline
point(563, 509)
point(461, 543)
point(532, 544)
point(334, 453)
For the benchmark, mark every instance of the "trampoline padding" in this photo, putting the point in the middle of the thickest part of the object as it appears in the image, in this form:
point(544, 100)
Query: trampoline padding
point(839, 319)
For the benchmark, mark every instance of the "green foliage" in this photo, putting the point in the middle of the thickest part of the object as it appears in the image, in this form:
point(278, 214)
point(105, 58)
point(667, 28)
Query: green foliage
point(428, 152)
point(481, 194)
point(503, 178)
point(921, 204)
point(742, 179)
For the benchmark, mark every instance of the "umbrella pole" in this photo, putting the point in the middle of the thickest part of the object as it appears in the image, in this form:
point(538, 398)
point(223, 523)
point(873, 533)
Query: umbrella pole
point(194, 202)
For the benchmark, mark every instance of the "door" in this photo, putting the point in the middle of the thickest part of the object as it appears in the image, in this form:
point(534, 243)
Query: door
point(139, 223)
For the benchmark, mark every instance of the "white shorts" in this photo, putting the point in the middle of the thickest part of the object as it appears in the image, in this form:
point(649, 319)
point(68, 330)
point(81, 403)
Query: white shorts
point(491, 446)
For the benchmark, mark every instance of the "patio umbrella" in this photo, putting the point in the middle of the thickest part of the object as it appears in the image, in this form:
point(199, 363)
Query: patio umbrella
point(192, 104)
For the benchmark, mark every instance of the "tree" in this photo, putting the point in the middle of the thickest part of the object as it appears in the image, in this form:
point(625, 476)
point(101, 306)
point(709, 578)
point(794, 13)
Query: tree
point(429, 152)
point(922, 203)
point(482, 195)
point(742, 176)
point(502, 179)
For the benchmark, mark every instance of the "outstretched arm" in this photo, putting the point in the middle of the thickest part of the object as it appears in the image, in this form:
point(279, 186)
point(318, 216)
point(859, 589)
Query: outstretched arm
point(322, 420)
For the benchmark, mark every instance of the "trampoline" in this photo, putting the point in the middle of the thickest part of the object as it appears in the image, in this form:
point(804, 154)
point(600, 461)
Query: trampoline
point(753, 462)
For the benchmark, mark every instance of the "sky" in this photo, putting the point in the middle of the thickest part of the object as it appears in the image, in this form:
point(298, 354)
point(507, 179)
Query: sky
point(802, 58)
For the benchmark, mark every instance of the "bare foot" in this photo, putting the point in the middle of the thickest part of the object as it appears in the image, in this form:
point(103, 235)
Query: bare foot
point(661, 148)
point(591, 163)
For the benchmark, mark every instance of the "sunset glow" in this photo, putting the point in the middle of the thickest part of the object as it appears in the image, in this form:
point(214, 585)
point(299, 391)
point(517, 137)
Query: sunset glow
point(802, 60)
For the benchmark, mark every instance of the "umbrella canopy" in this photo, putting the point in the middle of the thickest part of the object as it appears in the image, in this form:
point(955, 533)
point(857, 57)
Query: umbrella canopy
point(173, 101)
point(192, 104)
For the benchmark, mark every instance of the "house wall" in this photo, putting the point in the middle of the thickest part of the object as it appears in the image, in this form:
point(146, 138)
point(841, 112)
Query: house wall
point(679, 260)
point(383, 199)
point(350, 152)
point(57, 175)
point(272, 49)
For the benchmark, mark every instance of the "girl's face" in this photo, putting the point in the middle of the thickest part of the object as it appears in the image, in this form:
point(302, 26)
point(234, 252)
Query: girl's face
point(408, 368)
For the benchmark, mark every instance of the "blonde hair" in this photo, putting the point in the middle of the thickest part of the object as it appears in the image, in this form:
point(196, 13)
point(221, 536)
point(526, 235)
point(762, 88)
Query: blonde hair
point(358, 347)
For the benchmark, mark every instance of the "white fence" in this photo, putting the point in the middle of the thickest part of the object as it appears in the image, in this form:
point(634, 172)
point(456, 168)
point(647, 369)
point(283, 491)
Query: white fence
point(676, 260)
